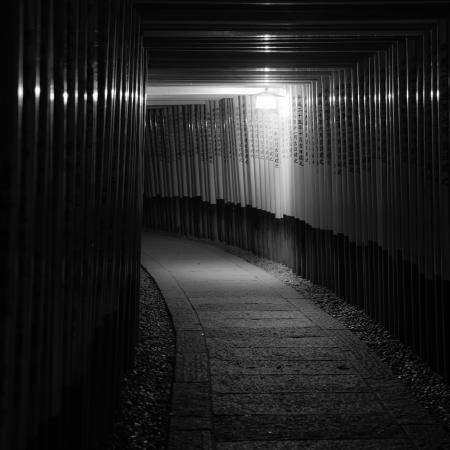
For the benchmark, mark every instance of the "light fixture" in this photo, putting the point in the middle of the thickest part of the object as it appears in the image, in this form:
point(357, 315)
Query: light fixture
point(266, 100)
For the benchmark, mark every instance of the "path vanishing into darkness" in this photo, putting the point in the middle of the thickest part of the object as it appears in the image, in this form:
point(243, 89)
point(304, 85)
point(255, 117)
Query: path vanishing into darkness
point(261, 367)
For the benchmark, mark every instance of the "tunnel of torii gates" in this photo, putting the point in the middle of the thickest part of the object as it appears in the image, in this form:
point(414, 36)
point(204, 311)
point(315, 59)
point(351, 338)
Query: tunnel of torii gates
point(345, 179)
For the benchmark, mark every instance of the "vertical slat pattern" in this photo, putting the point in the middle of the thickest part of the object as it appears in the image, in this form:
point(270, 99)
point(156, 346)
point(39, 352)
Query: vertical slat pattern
point(350, 189)
point(71, 199)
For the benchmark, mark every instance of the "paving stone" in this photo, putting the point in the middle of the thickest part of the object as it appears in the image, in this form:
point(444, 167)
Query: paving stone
point(190, 440)
point(270, 337)
point(353, 444)
point(287, 292)
point(360, 355)
point(244, 283)
point(273, 333)
point(325, 426)
point(182, 322)
point(251, 269)
point(179, 303)
point(166, 281)
point(368, 366)
point(191, 341)
point(212, 299)
point(387, 388)
point(256, 323)
point(303, 302)
point(279, 354)
point(186, 315)
point(406, 410)
point(258, 367)
point(346, 339)
point(191, 399)
point(323, 320)
point(231, 292)
point(191, 367)
point(210, 307)
point(232, 383)
point(254, 315)
point(295, 403)
point(428, 436)
point(190, 423)
point(267, 341)
point(225, 275)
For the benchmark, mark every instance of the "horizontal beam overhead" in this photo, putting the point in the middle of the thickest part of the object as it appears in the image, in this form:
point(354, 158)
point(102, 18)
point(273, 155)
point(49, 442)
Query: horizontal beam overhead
point(195, 41)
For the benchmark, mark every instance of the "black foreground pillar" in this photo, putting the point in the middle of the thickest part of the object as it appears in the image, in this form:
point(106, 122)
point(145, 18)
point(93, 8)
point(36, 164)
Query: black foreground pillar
point(71, 208)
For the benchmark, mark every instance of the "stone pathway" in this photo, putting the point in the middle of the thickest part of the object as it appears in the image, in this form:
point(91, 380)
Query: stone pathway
point(261, 367)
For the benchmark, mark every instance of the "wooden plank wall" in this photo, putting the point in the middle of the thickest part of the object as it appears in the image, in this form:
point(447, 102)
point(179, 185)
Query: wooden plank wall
point(71, 202)
point(350, 188)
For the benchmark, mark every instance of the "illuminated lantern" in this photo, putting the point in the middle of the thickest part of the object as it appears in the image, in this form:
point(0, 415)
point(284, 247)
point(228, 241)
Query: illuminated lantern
point(266, 100)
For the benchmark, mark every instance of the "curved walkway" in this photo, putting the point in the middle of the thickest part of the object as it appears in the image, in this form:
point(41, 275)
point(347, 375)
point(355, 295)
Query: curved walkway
point(260, 367)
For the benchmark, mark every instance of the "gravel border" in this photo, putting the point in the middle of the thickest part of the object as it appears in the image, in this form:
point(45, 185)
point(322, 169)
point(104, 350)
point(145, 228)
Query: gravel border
point(429, 388)
point(142, 420)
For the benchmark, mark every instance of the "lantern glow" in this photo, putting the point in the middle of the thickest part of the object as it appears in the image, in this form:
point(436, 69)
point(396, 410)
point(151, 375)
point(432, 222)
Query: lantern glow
point(267, 100)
